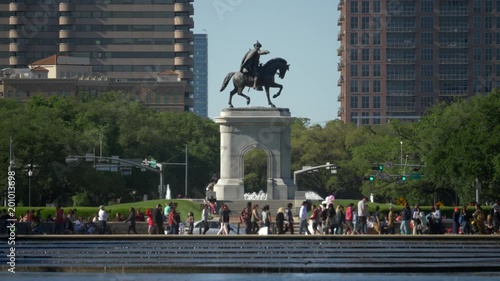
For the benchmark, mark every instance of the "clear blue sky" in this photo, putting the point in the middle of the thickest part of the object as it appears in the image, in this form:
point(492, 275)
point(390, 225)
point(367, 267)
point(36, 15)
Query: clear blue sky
point(302, 32)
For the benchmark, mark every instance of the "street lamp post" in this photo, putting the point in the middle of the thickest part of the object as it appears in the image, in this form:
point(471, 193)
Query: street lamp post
point(401, 142)
point(30, 174)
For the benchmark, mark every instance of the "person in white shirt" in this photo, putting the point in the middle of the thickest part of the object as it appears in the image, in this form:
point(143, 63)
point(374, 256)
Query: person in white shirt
point(303, 218)
point(362, 216)
point(103, 218)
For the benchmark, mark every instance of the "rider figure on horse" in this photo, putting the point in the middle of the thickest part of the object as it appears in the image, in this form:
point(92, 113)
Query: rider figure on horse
point(250, 63)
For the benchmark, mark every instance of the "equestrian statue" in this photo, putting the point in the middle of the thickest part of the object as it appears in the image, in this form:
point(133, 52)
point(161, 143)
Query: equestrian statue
point(253, 74)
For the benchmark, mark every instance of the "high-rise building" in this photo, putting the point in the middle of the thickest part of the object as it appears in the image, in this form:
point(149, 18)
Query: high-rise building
point(399, 57)
point(201, 75)
point(125, 40)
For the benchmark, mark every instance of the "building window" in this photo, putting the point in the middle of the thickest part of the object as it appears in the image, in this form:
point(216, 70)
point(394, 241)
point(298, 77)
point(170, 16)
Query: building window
point(354, 102)
point(427, 6)
point(354, 7)
point(488, 6)
point(376, 118)
point(426, 38)
point(477, 22)
point(354, 54)
point(376, 23)
point(376, 54)
point(477, 6)
point(426, 54)
point(477, 38)
point(376, 38)
point(477, 54)
point(477, 69)
point(427, 86)
point(488, 22)
point(365, 70)
point(376, 70)
point(426, 102)
point(497, 35)
point(426, 70)
point(157, 99)
point(365, 120)
point(354, 86)
point(488, 54)
point(376, 102)
point(354, 22)
point(498, 6)
point(354, 117)
point(365, 102)
point(354, 70)
point(365, 23)
point(365, 38)
point(376, 7)
point(427, 22)
point(497, 70)
point(365, 7)
point(354, 38)
point(488, 38)
point(376, 86)
point(365, 86)
point(365, 54)
point(488, 70)
point(498, 54)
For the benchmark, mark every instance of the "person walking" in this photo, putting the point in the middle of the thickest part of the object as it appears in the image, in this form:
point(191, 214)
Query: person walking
point(158, 220)
point(391, 218)
point(131, 221)
point(332, 218)
point(289, 218)
point(349, 227)
point(280, 220)
point(456, 221)
point(246, 218)
point(405, 219)
point(362, 216)
point(255, 219)
point(204, 216)
point(303, 218)
point(190, 223)
point(315, 218)
point(103, 218)
point(224, 221)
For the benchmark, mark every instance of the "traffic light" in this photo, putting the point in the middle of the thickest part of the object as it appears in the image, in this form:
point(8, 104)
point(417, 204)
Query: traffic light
point(401, 178)
point(369, 178)
point(378, 168)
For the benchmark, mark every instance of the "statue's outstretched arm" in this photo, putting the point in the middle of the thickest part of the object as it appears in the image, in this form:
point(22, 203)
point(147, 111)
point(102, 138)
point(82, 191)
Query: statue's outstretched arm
point(264, 52)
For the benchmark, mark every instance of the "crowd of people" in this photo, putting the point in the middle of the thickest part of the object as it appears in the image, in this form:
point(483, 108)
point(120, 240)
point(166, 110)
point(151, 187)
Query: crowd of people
point(325, 218)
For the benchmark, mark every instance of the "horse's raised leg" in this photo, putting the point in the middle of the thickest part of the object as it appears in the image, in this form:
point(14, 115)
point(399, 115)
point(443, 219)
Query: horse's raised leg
point(268, 99)
point(276, 85)
point(231, 94)
point(240, 92)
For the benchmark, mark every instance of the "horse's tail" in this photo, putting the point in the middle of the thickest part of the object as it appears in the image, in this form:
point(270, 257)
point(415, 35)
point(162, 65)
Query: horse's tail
point(226, 80)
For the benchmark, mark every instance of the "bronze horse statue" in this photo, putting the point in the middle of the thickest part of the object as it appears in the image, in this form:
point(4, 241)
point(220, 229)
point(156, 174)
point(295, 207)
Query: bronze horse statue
point(266, 80)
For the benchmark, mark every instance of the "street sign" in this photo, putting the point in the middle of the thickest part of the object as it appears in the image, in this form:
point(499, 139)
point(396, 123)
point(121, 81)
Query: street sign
point(152, 163)
point(401, 201)
point(388, 164)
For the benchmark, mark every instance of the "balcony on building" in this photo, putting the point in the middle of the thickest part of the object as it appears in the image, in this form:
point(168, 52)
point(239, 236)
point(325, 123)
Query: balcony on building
point(340, 112)
point(340, 98)
point(453, 29)
point(453, 60)
point(17, 61)
point(406, 44)
point(15, 20)
point(340, 20)
point(340, 36)
point(185, 74)
point(17, 7)
point(340, 5)
point(17, 47)
point(14, 33)
point(65, 20)
point(400, 61)
point(400, 29)
point(453, 93)
point(453, 76)
point(64, 34)
point(400, 93)
point(340, 50)
point(65, 7)
point(452, 45)
point(340, 65)
point(65, 47)
point(401, 108)
point(340, 81)
point(184, 21)
point(183, 47)
point(183, 61)
point(400, 13)
point(401, 76)
point(181, 34)
point(184, 7)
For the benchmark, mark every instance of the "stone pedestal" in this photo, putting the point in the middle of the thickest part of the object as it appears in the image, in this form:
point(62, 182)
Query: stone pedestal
point(243, 129)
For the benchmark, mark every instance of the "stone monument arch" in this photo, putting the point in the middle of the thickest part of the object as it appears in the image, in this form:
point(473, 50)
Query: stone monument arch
point(244, 129)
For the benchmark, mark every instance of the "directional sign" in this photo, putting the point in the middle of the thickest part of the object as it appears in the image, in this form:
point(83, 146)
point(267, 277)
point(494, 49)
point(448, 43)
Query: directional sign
point(389, 164)
point(152, 163)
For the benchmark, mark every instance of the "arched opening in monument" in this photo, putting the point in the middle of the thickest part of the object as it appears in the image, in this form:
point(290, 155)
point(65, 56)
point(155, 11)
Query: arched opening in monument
point(255, 163)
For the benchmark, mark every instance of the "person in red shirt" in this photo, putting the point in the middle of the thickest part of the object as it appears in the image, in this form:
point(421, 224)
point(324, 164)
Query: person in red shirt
point(348, 219)
point(59, 221)
point(149, 214)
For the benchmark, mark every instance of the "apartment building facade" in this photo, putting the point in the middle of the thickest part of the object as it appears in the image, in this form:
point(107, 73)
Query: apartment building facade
point(399, 57)
point(201, 75)
point(125, 40)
